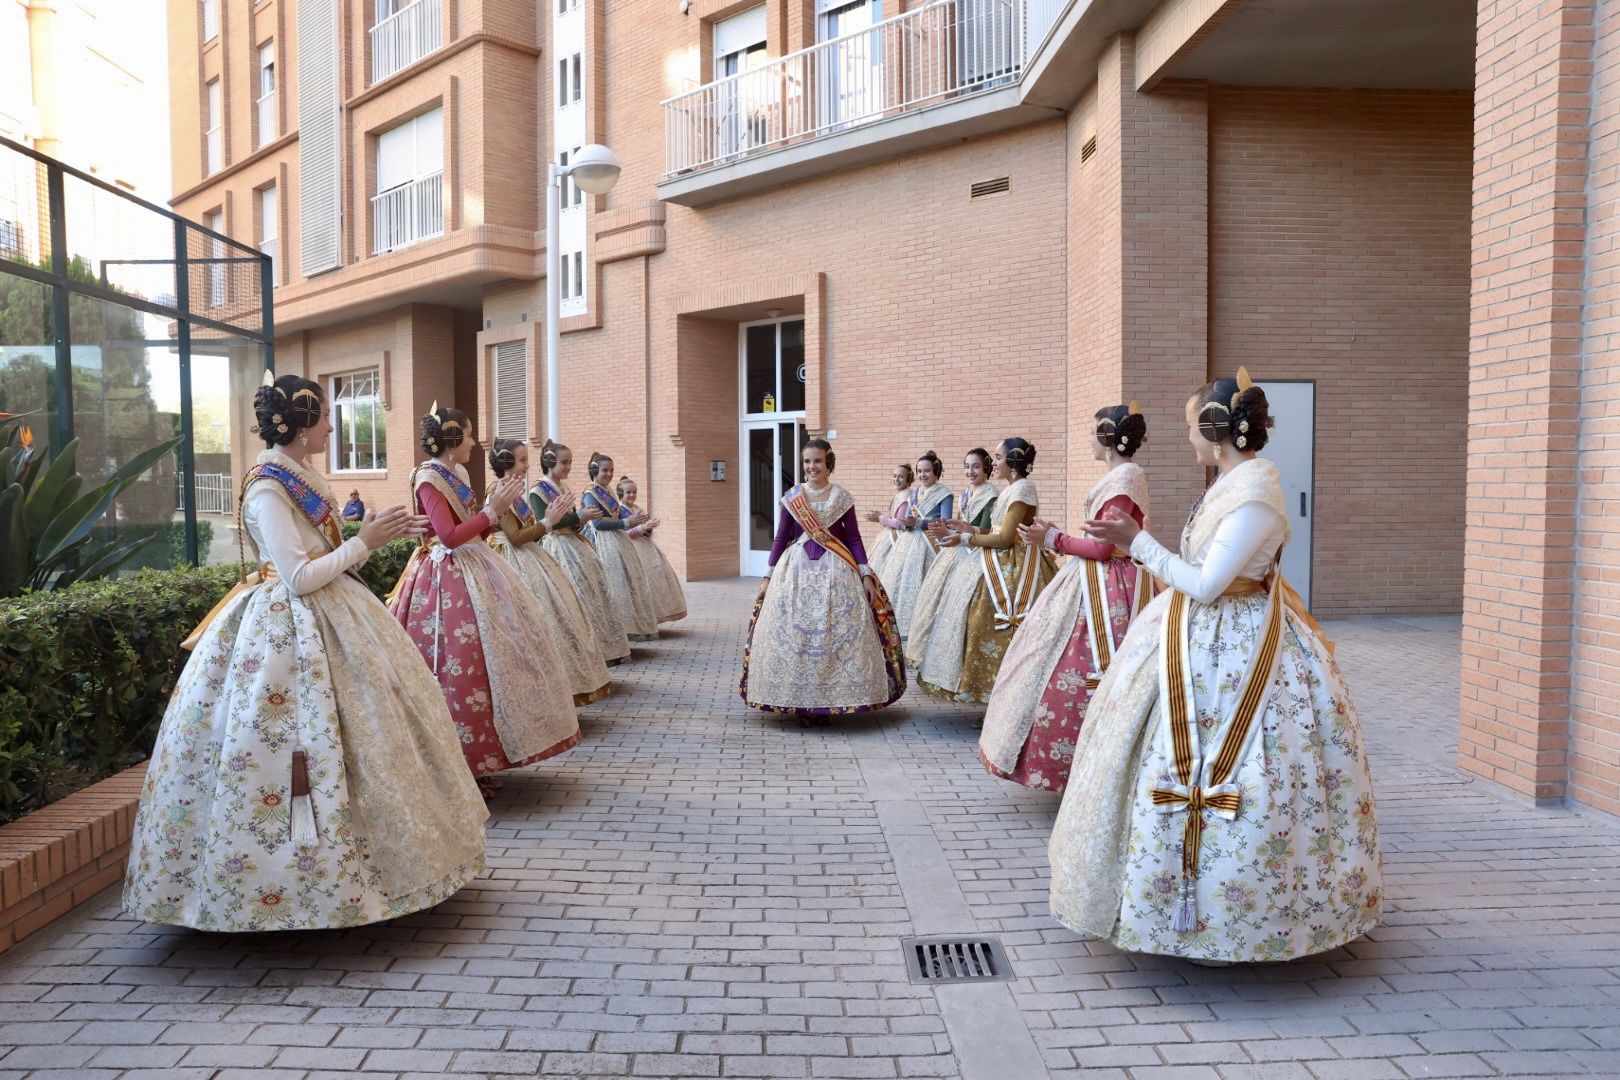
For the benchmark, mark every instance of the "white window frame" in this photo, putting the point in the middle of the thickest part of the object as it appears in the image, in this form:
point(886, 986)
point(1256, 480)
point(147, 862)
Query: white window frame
point(210, 20)
point(216, 252)
point(265, 103)
point(570, 80)
point(344, 396)
point(387, 9)
point(417, 173)
point(213, 137)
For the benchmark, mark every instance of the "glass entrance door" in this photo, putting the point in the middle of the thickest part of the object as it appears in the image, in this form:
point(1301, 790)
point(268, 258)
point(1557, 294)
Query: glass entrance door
point(771, 379)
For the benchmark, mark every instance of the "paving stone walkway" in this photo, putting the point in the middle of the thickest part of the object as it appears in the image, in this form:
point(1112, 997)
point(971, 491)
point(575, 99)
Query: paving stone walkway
point(701, 891)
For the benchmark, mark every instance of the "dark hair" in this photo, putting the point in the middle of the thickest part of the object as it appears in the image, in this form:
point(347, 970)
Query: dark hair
point(443, 430)
point(503, 456)
point(595, 465)
point(823, 445)
point(1121, 428)
point(933, 459)
point(984, 459)
point(548, 455)
point(1227, 411)
point(618, 489)
point(1020, 456)
point(911, 474)
point(290, 405)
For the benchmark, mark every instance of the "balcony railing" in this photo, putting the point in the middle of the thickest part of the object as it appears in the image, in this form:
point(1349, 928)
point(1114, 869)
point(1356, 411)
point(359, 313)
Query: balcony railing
point(408, 213)
point(405, 37)
point(948, 50)
point(266, 106)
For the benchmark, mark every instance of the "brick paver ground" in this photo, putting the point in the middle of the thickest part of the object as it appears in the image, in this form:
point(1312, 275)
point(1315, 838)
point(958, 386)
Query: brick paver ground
point(701, 891)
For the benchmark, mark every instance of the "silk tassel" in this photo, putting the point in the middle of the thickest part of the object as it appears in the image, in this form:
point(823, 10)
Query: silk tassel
point(303, 807)
point(1185, 919)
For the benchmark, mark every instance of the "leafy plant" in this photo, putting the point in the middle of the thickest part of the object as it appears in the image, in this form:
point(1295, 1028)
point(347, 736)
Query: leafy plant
point(46, 516)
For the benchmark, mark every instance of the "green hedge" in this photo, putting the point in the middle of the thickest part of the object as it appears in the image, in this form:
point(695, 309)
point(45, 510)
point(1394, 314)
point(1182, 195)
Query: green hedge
point(86, 672)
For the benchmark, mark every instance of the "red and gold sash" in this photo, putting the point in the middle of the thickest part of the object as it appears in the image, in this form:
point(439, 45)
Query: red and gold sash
point(798, 504)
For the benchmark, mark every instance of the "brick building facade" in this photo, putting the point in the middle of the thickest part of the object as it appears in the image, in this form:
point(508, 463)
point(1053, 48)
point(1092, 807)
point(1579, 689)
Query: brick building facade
point(934, 225)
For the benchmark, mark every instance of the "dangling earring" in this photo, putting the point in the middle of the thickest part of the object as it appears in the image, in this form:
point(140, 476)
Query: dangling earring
point(303, 440)
point(1217, 451)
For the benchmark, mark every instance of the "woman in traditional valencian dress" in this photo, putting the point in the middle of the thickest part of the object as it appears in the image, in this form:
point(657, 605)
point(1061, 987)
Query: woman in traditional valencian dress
point(472, 616)
point(822, 641)
point(975, 505)
point(1060, 652)
point(669, 598)
point(558, 609)
point(575, 554)
point(878, 553)
point(628, 585)
point(990, 591)
point(306, 774)
point(1220, 806)
point(914, 550)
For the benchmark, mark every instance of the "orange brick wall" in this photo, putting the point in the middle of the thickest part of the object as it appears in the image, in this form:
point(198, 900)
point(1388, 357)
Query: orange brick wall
point(1339, 253)
point(1594, 745)
point(1533, 80)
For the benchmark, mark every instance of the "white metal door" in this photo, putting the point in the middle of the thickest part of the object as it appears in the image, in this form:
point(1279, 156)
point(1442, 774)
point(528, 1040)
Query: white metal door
point(1292, 448)
point(770, 465)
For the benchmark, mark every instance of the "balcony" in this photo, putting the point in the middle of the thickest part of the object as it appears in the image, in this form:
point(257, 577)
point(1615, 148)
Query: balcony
point(405, 37)
point(266, 108)
point(406, 214)
point(949, 52)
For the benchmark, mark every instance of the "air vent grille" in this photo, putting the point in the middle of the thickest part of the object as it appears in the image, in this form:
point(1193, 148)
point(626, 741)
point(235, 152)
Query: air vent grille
point(942, 960)
point(992, 187)
point(1088, 149)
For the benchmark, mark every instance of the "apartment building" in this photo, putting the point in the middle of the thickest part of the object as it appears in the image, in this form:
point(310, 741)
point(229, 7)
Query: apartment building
point(913, 226)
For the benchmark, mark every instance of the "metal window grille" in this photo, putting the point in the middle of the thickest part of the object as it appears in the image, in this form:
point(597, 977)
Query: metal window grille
point(511, 390)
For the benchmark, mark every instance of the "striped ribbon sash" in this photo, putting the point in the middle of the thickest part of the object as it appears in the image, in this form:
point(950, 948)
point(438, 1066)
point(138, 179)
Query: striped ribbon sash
point(1096, 597)
point(1203, 784)
point(1011, 601)
point(798, 504)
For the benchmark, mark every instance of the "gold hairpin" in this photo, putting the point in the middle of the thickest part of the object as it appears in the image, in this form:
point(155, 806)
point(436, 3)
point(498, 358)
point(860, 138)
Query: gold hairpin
point(1132, 410)
point(306, 392)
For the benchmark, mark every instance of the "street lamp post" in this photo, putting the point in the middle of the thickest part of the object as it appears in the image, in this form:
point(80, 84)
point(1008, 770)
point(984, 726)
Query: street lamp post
point(595, 169)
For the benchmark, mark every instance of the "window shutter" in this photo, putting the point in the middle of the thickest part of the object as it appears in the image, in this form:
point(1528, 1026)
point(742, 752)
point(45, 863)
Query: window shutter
point(320, 193)
point(511, 390)
point(739, 32)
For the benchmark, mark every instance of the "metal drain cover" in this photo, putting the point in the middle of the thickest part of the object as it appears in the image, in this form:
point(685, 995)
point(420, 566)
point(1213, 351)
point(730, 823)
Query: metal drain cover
point(954, 959)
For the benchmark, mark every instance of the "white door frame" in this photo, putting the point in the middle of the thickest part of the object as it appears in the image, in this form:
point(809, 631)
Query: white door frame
point(750, 562)
point(1305, 504)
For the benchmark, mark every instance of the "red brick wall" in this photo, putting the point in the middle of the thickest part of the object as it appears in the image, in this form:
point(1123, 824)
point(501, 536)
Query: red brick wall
point(1339, 253)
point(1533, 78)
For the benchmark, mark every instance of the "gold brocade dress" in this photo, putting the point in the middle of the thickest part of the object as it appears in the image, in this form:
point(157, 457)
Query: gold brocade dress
point(990, 591)
point(669, 599)
point(578, 560)
point(559, 609)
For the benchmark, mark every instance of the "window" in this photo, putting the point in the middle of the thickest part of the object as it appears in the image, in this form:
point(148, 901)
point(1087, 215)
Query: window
point(216, 265)
point(387, 9)
point(739, 42)
point(357, 419)
point(565, 6)
point(411, 151)
point(572, 194)
point(10, 238)
point(210, 20)
point(214, 145)
point(267, 94)
point(570, 83)
point(268, 223)
point(571, 285)
point(511, 390)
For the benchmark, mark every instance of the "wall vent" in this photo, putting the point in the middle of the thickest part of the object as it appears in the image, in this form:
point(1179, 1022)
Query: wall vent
point(992, 187)
point(1088, 149)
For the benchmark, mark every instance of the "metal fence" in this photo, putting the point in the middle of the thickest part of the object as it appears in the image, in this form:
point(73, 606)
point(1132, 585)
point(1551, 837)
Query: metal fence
point(408, 213)
point(216, 493)
point(405, 37)
point(946, 50)
point(111, 303)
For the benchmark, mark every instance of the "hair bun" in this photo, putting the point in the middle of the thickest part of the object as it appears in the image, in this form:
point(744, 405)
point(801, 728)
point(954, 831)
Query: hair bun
point(284, 408)
point(1251, 419)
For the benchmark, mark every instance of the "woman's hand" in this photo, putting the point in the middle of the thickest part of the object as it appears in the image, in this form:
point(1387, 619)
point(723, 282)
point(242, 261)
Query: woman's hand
point(938, 530)
point(589, 512)
point(419, 526)
point(636, 518)
point(500, 497)
point(908, 523)
point(383, 526)
point(948, 539)
point(1114, 527)
point(870, 584)
point(872, 516)
point(1034, 534)
point(558, 509)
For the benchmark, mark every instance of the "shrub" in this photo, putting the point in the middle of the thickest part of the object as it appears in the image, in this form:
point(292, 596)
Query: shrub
point(85, 674)
point(382, 570)
point(170, 547)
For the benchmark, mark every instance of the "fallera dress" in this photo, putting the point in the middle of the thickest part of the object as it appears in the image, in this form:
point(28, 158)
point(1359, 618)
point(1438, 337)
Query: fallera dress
point(629, 588)
point(1220, 806)
point(669, 598)
point(965, 622)
point(913, 553)
point(1065, 645)
point(878, 553)
point(306, 775)
point(473, 620)
point(578, 559)
point(817, 646)
point(557, 609)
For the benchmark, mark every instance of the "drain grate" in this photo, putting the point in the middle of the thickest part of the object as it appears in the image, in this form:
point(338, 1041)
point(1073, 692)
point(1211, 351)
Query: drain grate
point(942, 960)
